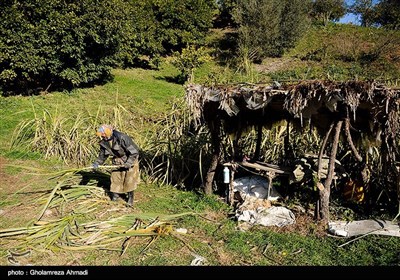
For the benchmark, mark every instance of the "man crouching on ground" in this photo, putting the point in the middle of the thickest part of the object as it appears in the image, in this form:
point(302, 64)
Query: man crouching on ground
point(124, 153)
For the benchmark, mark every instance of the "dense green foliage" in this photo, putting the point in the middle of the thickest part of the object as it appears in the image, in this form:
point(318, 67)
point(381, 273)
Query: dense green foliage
point(328, 10)
point(365, 9)
point(183, 22)
point(161, 27)
point(388, 14)
point(53, 43)
point(56, 44)
point(385, 13)
point(268, 28)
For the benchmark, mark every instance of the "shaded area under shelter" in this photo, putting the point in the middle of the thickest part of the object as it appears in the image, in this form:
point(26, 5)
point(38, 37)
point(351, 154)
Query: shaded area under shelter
point(341, 113)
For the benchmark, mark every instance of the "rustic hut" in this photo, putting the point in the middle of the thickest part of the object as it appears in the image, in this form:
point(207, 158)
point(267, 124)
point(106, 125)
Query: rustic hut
point(340, 112)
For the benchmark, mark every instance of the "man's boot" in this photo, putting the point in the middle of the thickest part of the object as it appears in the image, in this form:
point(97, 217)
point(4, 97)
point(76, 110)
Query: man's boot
point(114, 196)
point(130, 198)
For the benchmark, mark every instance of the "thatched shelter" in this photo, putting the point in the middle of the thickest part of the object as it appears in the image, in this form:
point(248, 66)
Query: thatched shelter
point(353, 109)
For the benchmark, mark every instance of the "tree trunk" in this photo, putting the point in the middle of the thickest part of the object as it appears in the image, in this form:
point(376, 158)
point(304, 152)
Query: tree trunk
point(214, 128)
point(210, 175)
point(350, 140)
point(326, 191)
point(258, 145)
point(321, 151)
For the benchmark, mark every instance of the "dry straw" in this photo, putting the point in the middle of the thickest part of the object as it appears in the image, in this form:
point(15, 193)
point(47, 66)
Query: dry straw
point(68, 231)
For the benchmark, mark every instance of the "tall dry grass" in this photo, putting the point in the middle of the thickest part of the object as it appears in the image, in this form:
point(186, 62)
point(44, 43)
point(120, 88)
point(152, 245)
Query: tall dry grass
point(70, 139)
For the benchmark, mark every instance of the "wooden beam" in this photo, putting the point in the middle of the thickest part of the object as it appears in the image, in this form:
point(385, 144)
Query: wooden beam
point(267, 167)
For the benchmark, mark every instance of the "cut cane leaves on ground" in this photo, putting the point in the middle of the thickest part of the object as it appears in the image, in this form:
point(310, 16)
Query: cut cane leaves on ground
point(68, 230)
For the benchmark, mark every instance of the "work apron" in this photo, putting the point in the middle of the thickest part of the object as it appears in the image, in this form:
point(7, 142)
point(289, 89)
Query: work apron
point(126, 180)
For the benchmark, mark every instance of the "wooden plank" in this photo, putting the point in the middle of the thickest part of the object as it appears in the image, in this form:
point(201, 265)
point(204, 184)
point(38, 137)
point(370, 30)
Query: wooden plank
point(276, 169)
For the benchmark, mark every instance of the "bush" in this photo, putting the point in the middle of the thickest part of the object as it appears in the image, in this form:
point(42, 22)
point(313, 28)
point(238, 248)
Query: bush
point(50, 44)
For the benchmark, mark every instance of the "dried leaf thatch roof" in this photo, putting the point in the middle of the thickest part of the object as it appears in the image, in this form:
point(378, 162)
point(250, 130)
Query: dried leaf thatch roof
point(369, 105)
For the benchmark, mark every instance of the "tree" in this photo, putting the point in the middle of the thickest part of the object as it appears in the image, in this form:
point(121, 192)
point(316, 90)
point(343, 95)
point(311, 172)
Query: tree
point(52, 44)
point(59, 44)
point(258, 31)
point(388, 14)
point(224, 17)
point(364, 8)
point(294, 21)
point(182, 22)
point(188, 61)
point(328, 10)
point(162, 27)
point(141, 46)
point(268, 27)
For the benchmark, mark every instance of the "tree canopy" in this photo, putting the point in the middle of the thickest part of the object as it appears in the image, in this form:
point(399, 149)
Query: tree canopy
point(57, 44)
point(267, 28)
point(385, 13)
point(327, 10)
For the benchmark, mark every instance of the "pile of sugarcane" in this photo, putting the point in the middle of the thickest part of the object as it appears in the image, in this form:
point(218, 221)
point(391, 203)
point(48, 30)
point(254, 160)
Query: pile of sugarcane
point(75, 203)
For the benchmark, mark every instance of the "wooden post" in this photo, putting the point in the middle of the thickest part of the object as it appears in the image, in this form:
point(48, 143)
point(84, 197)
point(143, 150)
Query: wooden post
point(271, 176)
point(215, 141)
point(324, 194)
point(231, 192)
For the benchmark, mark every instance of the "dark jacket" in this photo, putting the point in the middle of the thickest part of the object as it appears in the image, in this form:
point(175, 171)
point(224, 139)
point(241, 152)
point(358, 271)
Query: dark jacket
point(123, 149)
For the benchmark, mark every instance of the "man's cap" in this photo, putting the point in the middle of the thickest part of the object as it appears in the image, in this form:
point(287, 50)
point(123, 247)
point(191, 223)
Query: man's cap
point(105, 130)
